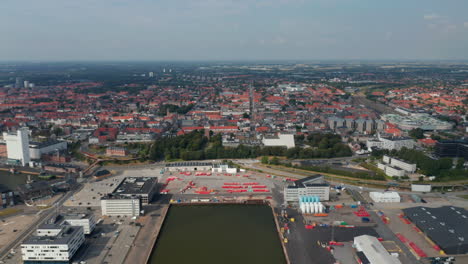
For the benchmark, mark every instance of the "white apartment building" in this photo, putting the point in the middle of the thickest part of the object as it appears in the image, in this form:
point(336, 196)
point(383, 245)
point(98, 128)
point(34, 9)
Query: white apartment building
point(391, 171)
point(385, 197)
point(120, 205)
point(18, 145)
point(281, 140)
point(395, 167)
point(310, 186)
point(391, 143)
point(53, 244)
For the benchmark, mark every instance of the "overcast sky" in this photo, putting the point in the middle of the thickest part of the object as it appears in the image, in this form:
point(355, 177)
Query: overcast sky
point(233, 29)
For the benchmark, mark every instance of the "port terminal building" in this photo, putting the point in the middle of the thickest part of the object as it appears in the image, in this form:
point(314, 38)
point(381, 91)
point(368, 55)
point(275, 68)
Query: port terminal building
point(310, 186)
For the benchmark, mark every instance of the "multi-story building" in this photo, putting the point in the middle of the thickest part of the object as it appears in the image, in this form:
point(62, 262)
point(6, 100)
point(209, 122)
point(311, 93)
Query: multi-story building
point(85, 220)
point(395, 167)
point(280, 140)
point(52, 244)
point(37, 149)
point(310, 186)
point(114, 204)
point(18, 146)
point(452, 148)
point(391, 143)
point(140, 187)
point(116, 151)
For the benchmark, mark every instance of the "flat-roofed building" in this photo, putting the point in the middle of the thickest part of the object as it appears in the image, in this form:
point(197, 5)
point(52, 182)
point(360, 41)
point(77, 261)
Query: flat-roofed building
point(37, 149)
point(52, 244)
point(141, 187)
point(120, 205)
point(385, 197)
point(85, 220)
point(189, 166)
point(446, 226)
point(310, 186)
point(373, 250)
point(18, 146)
point(391, 143)
point(280, 140)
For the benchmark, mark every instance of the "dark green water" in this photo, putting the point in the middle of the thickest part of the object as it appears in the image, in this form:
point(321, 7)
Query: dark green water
point(13, 180)
point(227, 234)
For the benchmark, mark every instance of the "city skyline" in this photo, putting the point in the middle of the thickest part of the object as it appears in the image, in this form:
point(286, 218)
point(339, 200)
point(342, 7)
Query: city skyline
point(121, 30)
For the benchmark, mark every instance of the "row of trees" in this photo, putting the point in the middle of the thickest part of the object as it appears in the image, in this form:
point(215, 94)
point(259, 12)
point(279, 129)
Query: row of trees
point(196, 146)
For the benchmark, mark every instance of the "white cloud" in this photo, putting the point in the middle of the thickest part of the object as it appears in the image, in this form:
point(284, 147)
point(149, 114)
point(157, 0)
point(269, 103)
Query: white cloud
point(432, 16)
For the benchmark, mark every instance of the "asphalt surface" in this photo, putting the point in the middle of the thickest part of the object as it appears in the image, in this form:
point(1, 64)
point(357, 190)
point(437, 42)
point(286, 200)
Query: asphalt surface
point(45, 216)
point(303, 244)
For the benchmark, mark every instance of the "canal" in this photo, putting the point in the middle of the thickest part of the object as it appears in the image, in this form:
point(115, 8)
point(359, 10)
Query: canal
point(228, 234)
point(11, 180)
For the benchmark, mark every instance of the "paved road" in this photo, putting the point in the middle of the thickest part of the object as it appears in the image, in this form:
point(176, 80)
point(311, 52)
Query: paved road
point(46, 214)
point(383, 230)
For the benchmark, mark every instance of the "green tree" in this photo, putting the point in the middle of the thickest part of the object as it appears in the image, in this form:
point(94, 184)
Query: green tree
point(274, 161)
point(416, 133)
point(265, 160)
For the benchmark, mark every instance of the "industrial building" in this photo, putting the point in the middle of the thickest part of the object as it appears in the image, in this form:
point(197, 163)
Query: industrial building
point(395, 167)
point(385, 197)
point(280, 140)
point(18, 146)
point(143, 188)
point(373, 251)
point(52, 244)
point(223, 168)
point(446, 226)
point(37, 149)
point(189, 166)
point(120, 205)
point(452, 148)
point(310, 186)
point(421, 187)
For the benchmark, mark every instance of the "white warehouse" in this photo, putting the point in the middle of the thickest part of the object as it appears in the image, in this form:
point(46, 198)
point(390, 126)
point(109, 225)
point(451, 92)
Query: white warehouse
point(52, 244)
point(385, 197)
point(373, 251)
